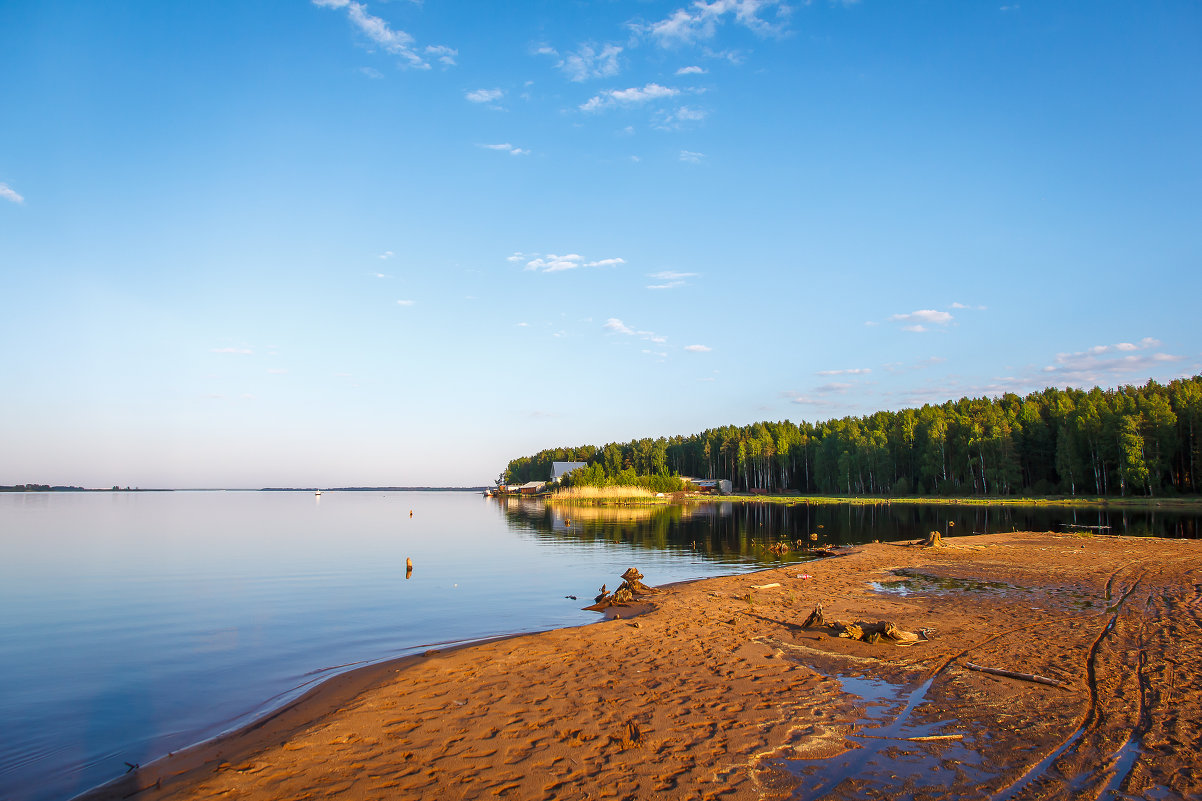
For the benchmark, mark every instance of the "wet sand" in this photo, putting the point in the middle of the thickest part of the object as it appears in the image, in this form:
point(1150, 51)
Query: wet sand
point(717, 692)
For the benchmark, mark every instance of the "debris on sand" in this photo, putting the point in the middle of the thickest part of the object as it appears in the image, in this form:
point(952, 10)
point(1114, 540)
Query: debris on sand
point(630, 588)
point(863, 631)
point(933, 540)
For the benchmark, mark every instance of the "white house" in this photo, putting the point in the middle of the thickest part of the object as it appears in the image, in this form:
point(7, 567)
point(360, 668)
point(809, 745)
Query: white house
point(560, 469)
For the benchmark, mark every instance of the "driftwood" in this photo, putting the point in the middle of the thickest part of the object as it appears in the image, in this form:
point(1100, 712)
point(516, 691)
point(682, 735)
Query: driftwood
point(632, 582)
point(933, 540)
point(1010, 674)
point(864, 631)
point(626, 592)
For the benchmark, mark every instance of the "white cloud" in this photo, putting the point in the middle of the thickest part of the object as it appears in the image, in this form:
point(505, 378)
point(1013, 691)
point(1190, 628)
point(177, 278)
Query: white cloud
point(381, 275)
point(697, 348)
point(551, 263)
point(690, 71)
point(691, 157)
point(616, 326)
point(522, 325)
point(671, 279)
point(10, 194)
point(965, 306)
point(590, 61)
point(397, 42)
point(701, 19)
point(1103, 363)
point(635, 95)
point(508, 148)
point(445, 55)
point(678, 118)
point(388, 254)
point(372, 73)
point(405, 302)
point(923, 316)
point(485, 95)
point(850, 371)
point(239, 351)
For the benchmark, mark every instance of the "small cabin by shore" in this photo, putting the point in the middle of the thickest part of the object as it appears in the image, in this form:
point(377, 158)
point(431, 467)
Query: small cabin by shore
point(561, 469)
point(712, 486)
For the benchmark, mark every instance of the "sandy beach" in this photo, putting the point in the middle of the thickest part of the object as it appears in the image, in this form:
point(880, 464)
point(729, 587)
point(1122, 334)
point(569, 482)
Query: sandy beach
point(717, 691)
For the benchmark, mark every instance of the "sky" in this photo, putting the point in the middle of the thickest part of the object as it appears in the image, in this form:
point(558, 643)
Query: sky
point(334, 243)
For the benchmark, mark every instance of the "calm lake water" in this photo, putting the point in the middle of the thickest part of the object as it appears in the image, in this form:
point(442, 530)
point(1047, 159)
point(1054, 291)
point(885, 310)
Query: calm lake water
point(133, 624)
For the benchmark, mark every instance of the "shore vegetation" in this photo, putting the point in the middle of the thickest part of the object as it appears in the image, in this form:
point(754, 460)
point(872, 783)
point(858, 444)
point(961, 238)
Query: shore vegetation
point(1131, 441)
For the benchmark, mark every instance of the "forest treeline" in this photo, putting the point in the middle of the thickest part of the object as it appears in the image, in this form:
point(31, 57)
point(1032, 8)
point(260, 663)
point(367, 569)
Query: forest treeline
point(1133, 440)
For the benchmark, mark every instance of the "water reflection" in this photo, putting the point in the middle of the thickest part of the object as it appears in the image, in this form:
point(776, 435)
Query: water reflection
point(745, 528)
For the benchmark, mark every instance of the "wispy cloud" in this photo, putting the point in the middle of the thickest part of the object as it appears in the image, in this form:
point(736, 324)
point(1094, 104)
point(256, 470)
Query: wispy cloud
point(849, 371)
point(443, 54)
point(917, 321)
point(372, 73)
point(698, 348)
point(691, 157)
point(393, 41)
point(968, 307)
point(1103, 363)
point(237, 351)
point(552, 263)
point(485, 95)
point(690, 71)
point(677, 119)
point(590, 61)
point(616, 326)
point(405, 302)
point(388, 254)
point(505, 147)
point(10, 194)
point(700, 20)
point(633, 96)
point(671, 280)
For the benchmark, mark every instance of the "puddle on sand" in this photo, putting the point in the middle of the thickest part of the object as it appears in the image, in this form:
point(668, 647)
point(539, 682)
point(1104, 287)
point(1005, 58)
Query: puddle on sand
point(911, 582)
point(884, 762)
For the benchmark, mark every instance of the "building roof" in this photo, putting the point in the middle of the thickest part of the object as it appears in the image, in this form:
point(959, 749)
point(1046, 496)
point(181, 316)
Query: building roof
point(559, 469)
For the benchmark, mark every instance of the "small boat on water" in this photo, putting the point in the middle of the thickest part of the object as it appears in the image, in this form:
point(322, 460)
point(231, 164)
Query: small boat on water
point(317, 493)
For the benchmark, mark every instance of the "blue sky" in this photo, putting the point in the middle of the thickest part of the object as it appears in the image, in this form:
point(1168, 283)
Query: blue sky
point(332, 242)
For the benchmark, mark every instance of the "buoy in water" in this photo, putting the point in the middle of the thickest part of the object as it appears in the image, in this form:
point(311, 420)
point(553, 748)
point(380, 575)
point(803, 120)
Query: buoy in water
point(408, 567)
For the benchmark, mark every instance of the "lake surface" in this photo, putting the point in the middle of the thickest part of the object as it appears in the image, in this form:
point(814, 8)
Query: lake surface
point(133, 624)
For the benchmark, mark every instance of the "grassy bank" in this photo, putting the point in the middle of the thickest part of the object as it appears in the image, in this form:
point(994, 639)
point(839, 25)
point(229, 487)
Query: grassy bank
point(610, 496)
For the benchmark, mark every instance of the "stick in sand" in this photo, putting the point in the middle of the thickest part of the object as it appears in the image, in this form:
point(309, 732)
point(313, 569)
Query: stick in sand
point(1012, 675)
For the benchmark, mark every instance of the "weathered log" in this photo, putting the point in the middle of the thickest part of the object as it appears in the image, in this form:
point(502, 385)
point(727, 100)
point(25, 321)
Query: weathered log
point(815, 620)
